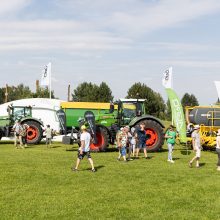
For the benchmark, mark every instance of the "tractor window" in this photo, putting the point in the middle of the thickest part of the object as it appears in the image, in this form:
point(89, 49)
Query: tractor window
point(27, 111)
point(129, 112)
point(18, 113)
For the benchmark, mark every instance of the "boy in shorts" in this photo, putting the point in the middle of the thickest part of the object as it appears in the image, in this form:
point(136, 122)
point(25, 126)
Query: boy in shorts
point(84, 150)
point(141, 139)
point(196, 142)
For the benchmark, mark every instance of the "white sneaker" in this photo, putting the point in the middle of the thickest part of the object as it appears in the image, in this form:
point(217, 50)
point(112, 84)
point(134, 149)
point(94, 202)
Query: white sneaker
point(171, 161)
point(218, 168)
point(168, 160)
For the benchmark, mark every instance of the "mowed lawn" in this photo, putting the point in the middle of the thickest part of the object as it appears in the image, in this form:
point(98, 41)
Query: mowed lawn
point(37, 183)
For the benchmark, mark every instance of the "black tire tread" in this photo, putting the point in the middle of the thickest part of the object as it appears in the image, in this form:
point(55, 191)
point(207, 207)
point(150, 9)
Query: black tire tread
point(38, 126)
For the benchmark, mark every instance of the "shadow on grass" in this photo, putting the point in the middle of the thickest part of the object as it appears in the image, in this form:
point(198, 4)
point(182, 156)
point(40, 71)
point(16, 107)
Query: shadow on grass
point(202, 164)
point(55, 146)
point(185, 152)
point(96, 167)
point(158, 151)
point(6, 143)
point(71, 149)
point(176, 158)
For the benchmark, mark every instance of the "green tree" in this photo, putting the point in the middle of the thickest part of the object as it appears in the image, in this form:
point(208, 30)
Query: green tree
point(18, 92)
point(189, 100)
point(168, 111)
point(104, 93)
point(43, 93)
point(2, 95)
point(154, 102)
point(88, 92)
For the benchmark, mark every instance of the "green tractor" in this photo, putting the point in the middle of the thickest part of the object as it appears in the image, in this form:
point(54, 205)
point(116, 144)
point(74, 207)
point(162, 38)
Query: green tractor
point(108, 118)
point(24, 114)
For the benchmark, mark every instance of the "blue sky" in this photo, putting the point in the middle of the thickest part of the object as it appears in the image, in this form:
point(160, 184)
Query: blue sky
point(117, 41)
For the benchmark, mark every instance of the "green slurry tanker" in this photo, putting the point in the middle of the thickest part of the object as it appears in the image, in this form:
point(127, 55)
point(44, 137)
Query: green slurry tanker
point(108, 118)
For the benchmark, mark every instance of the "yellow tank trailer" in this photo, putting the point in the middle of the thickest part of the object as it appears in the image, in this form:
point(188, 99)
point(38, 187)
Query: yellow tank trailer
point(208, 117)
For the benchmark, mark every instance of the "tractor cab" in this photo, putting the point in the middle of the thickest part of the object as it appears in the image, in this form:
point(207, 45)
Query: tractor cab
point(18, 112)
point(129, 109)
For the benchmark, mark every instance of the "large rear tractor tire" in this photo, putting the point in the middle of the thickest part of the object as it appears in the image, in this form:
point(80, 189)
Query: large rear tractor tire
point(34, 132)
point(102, 140)
point(155, 135)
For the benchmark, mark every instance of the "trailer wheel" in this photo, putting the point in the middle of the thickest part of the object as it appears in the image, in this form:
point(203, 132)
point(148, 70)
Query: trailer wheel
point(155, 135)
point(34, 132)
point(102, 140)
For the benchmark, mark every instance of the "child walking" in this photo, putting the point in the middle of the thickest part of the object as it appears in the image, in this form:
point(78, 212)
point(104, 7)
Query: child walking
point(48, 133)
point(196, 141)
point(171, 137)
point(122, 143)
point(218, 149)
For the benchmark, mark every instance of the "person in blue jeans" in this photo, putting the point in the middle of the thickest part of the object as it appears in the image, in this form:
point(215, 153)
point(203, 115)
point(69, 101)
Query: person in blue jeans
point(171, 139)
point(141, 140)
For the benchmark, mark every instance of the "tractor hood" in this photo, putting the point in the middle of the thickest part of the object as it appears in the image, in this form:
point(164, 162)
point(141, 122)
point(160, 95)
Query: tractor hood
point(145, 117)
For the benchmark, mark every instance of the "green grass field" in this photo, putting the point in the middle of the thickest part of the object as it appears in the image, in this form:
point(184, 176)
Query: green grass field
point(37, 183)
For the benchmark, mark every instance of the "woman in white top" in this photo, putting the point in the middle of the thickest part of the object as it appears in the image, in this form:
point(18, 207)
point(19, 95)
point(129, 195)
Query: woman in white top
point(218, 149)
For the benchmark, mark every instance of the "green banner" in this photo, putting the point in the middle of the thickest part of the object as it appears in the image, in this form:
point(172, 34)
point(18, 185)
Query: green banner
point(177, 114)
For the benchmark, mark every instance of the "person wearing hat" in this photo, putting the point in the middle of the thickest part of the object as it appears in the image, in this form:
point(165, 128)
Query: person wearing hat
point(218, 149)
point(196, 142)
point(84, 149)
point(171, 139)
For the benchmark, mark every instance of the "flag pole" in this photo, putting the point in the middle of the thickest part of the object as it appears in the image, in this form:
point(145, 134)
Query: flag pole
point(50, 81)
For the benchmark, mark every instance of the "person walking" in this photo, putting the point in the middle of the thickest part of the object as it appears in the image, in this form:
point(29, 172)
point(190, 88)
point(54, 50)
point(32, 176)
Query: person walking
point(24, 133)
point(122, 143)
point(133, 141)
point(84, 149)
point(17, 128)
point(196, 142)
point(171, 138)
point(218, 149)
point(129, 144)
point(141, 140)
point(117, 142)
point(48, 133)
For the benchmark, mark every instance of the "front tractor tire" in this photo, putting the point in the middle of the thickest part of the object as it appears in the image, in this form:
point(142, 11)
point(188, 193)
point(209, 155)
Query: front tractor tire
point(34, 132)
point(102, 140)
point(155, 135)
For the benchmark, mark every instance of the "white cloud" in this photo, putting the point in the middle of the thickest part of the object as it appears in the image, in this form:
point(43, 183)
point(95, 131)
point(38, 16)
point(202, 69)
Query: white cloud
point(162, 14)
point(57, 34)
point(12, 5)
point(138, 17)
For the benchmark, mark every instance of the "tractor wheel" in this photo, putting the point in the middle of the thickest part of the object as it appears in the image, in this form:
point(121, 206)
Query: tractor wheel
point(155, 135)
point(102, 140)
point(34, 132)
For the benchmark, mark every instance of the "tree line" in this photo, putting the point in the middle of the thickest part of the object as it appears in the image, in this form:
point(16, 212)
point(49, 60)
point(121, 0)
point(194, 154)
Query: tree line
point(22, 92)
point(90, 92)
point(155, 105)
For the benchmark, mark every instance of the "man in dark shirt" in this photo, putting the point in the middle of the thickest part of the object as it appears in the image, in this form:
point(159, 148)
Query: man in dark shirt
point(141, 140)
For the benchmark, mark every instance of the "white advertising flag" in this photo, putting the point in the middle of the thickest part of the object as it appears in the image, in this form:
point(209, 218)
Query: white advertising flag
point(46, 75)
point(217, 84)
point(168, 78)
